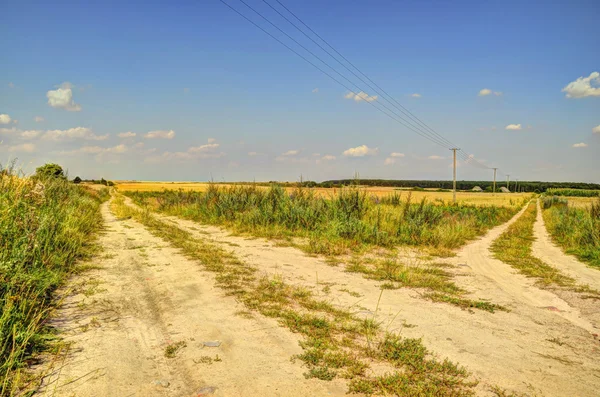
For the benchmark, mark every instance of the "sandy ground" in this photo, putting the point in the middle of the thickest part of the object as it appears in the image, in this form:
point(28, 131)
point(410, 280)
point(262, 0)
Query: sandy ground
point(150, 296)
point(543, 346)
point(546, 250)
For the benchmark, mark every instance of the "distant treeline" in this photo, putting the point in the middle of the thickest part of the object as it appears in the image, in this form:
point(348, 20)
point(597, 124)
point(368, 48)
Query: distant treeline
point(523, 186)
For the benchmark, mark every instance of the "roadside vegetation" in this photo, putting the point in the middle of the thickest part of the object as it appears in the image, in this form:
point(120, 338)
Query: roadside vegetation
point(576, 230)
point(46, 225)
point(348, 221)
point(573, 192)
point(336, 342)
point(514, 248)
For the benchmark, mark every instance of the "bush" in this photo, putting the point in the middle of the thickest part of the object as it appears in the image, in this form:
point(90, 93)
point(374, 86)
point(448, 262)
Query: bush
point(77, 180)
point(50, 170)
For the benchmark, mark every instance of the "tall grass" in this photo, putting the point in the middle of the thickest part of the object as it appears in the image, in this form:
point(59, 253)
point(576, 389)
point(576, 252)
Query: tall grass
point(347, 220)
point(45, 226)
point(573, 192)
point(577, 230)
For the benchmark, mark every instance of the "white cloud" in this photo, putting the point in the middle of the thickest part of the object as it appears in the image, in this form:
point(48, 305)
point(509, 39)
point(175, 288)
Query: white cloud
point(24, 147)
point(11, 85)
point(127, 134)
point(73, 133)
point(396, 154)
point(416, 95)
point(290, 153)
point(211, 140)
point(11, 130)
point(38, 119)
point(160, 134)
point(360, 151)
point(5, 119)
point(328, 157)
point(361, 96)
point(487, 91)
point(253, 154)
point(580, 145)
point(15, 121)
point(583, 86)
point(390, 161)
point(513, 127)
point(596, 129)
point(315, 90)
point(211, 147)
point(62, 98)
point(30, 134)
point(434, 157)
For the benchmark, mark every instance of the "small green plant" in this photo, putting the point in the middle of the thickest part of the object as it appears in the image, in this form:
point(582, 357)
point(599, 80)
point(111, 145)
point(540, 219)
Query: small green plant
point(172, 349)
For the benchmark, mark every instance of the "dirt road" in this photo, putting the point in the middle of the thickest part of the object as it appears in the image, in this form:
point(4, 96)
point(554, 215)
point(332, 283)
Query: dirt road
point(157, 297)
point(546, 250)
point(150, 297)
point(532, 349)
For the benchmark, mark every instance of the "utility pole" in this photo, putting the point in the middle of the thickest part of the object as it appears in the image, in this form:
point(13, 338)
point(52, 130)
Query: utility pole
point(508, 182)
point(495, 179)
point(454, 176)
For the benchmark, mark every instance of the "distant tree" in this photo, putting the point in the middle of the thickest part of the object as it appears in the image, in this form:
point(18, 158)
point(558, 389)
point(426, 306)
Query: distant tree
point(50, 170)
point(103, 182)
point(110, 183)
point(77, 180)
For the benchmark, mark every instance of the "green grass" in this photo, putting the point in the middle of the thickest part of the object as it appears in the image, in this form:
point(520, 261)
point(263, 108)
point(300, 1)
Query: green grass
point(514, 248)
point(573, 192)
point(45, 227)
point(335, 342)
point(576, 230)
point(350, 220)
point(434, 278)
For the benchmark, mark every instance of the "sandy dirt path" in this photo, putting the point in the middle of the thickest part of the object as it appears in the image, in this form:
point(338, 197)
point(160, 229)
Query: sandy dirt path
point(148, 296)
point(531, 349)
point(547, 251)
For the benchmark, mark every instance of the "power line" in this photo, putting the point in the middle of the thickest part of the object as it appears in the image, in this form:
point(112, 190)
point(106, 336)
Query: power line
point(424, 129)
point(451, 144)
point(357, 88)
point(414, 124)
point(328, 74)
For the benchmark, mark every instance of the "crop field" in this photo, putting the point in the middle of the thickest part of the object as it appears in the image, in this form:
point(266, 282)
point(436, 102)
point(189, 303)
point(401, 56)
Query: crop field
point(432, 195)
point(327, 291)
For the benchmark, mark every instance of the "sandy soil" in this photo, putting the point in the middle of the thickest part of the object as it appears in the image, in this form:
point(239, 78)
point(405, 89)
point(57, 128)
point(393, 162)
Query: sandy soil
point(148, 296)
point(543, 346)
point(546, 250)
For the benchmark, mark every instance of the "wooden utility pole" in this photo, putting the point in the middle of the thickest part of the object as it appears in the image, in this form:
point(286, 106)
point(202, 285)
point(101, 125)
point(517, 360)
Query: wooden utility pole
point(495, 179)
point(508, 182)
point(454, 176)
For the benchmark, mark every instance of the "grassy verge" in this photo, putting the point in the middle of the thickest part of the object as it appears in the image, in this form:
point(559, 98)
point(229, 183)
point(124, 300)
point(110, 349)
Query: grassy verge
point(45, 227)
point(576, 230)
point(335, 343)
point(348, 221)
point(514, 248)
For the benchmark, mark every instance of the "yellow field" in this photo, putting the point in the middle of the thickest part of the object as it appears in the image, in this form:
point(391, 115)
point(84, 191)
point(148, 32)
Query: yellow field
point(581, 202)
point(505, 199)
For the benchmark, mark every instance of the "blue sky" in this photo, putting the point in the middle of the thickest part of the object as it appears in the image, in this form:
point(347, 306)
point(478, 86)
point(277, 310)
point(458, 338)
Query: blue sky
point(242, 107)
